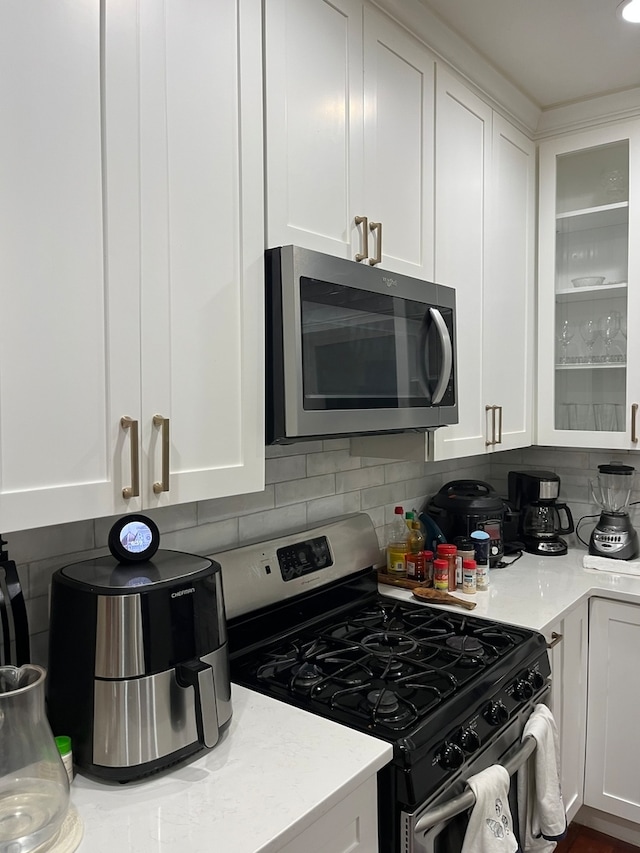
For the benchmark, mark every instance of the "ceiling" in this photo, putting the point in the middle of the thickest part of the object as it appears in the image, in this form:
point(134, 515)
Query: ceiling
point(554, 51)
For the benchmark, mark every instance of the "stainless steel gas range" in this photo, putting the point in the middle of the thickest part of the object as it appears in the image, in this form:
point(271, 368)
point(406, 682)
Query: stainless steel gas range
point(450, 692)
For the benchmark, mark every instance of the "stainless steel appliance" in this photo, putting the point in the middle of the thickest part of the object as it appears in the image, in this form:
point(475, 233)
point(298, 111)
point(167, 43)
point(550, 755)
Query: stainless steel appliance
point(534, 494)
point(138, 662)
point(614, 535)
point(354, 349)
point(450, 692)
point(14, 624)
point(462, 506)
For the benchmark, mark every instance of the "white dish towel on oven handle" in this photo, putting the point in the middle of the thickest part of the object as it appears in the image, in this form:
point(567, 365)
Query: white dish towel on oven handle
point(490, 827)
point(541, 814)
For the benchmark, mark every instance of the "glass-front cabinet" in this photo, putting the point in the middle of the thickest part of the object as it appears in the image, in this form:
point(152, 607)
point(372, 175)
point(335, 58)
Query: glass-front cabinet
point(588, 311)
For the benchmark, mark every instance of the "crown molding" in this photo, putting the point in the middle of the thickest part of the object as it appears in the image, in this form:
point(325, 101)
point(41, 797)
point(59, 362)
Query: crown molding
point(604, 109)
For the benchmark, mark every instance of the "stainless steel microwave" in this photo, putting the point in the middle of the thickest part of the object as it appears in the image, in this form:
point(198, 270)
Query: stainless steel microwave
point(353, 349)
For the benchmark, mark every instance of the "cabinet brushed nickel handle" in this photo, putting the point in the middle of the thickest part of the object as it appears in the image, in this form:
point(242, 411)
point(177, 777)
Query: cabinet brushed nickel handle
point(492, 409)
point(377, 226)
point(555, 639)
point(634, 412)
point(499, 408)
point(163, 423)
point(362, 220)
point(133, 490)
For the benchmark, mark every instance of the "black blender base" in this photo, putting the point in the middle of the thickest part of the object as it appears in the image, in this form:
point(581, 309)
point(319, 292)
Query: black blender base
point(614, 537)
point(545, 547)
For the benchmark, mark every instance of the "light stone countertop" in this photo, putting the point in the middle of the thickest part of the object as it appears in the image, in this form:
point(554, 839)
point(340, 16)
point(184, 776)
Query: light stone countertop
point(537, 591)
point(276, 770)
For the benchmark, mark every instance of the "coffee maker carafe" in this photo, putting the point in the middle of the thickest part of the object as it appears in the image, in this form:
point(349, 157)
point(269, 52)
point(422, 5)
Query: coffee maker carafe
point(614, 535)
point(534, 495)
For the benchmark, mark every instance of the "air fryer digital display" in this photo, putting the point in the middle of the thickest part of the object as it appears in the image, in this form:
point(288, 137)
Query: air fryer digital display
point(133, 539)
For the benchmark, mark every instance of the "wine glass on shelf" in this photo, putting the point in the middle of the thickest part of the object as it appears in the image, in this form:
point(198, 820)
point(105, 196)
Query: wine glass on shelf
point(589, 333)
point(609, 327)
point(566, 332)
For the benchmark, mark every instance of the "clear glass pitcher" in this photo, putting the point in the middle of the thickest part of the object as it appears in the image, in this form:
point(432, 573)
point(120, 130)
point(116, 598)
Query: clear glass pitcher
point(612, 487)
point(34, 787)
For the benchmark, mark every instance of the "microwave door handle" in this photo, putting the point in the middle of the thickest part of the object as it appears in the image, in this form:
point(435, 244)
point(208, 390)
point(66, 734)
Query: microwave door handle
point(447, 355)
point(466, 799)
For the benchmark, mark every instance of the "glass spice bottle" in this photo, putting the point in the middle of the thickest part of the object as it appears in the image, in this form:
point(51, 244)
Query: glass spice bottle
point(448, 552)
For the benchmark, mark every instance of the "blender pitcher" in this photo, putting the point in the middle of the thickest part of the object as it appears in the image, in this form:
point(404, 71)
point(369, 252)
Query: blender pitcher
point(612, 488)
point(34, 787)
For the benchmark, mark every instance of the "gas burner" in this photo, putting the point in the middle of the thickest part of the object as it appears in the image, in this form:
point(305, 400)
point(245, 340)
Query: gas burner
point(390, 667)
point(384, 643)
point(465, 643)
point(306, 676)
point(384, 702)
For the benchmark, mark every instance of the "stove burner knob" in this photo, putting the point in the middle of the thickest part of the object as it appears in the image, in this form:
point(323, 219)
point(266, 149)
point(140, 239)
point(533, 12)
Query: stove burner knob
point(469, 740)
point(451, 757)
point(535, 679)
point(523, 690)
point(496, 713)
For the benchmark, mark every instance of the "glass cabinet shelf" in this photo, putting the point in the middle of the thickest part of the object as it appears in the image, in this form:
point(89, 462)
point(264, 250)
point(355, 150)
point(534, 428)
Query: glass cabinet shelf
point(608, 366)
point(603, 216)
point(580, 294)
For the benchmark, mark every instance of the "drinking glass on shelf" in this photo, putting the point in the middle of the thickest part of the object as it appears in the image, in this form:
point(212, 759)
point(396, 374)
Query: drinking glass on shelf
point(564, 337)
point(623, 326)
point(609, 326)
point(589, 333)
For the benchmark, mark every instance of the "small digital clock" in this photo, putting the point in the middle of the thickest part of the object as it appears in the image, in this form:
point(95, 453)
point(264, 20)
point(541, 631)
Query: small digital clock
point(134, 538)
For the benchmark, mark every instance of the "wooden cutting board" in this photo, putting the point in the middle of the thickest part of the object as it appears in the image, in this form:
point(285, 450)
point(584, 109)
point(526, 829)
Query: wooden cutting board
point(435, 596)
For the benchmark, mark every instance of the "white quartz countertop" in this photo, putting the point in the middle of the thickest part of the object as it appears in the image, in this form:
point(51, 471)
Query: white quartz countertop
point(537, 591)
point(276, 770)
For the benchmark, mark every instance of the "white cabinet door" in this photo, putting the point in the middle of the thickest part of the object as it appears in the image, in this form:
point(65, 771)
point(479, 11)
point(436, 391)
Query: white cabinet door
point(313, 116)
point(509, 294)
point(350, 827)
point(588, 368)
point(67, 314)
point(463, 163)
point(201, 249)
point(612, 781)
point(568, 655)
point(399, 78)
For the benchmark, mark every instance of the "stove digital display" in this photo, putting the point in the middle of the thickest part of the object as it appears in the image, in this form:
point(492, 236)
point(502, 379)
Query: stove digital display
point(303, 558)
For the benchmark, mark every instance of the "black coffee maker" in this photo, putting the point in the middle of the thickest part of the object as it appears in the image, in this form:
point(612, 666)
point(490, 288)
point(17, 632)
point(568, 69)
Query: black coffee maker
point(542, 518)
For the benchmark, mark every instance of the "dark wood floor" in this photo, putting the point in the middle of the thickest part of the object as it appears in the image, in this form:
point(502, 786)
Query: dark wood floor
point(581, 839)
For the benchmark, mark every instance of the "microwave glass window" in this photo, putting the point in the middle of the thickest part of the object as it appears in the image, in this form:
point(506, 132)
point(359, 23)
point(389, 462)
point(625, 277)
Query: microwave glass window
point(366, 350)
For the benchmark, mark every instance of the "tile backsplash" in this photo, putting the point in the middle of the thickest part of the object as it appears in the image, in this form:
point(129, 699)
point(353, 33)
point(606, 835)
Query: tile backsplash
point(305, 483)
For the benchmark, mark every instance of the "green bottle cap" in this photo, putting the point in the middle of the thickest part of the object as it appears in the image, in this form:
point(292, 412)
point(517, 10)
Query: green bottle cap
point(63, 742)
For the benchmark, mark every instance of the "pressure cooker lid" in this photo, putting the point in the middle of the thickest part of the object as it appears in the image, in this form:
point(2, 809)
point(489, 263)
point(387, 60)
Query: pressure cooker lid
point(468, 497)
point(165, 567)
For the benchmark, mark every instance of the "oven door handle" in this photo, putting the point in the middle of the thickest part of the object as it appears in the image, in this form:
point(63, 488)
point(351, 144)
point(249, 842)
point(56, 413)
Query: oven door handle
point(467, 799)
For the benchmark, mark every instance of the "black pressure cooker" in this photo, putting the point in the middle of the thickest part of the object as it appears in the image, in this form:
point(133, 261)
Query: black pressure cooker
point(462, 506)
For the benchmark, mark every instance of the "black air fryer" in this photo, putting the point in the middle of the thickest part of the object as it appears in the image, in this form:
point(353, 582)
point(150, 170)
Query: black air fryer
point(138, 661)
point(462, 506)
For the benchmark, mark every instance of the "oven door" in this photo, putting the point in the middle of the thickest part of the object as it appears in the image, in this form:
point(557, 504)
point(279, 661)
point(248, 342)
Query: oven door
point(439, 826)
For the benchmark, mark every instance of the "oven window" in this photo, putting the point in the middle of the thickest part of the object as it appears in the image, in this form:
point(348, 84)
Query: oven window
point(363, 350)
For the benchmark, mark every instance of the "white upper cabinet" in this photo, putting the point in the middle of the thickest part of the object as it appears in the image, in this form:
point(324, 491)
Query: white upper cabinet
point(131, 263)
point(485, 232)
point(349, 134)
point(588, 367)
point(202, 247)
point(63, 317)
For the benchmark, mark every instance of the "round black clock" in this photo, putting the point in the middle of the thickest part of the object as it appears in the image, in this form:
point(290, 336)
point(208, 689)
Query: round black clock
point(134, 538)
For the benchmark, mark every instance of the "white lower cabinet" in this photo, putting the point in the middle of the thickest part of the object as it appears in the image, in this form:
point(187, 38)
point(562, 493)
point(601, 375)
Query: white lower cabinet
point(349, 827)
point(612, 777)
point(568, 641)
point(131, 267)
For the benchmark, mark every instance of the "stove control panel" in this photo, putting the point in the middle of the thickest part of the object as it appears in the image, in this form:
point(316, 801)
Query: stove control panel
point(302, 558)
point(496, 713)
